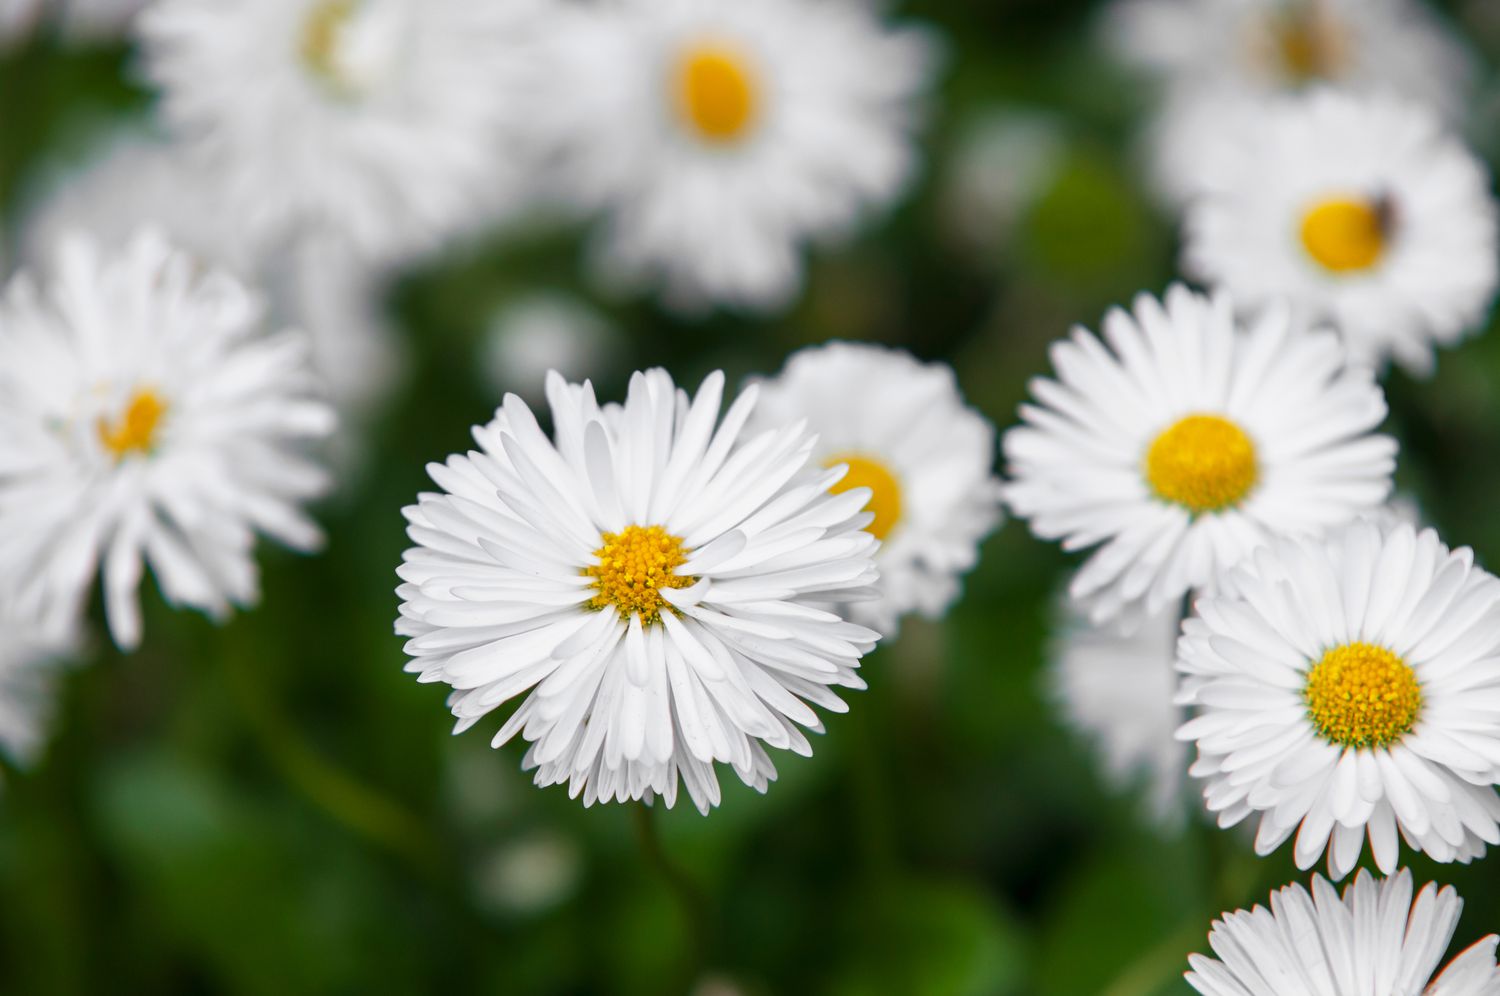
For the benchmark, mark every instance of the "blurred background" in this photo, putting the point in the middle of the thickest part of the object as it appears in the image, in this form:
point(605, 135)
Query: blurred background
point(273, 806)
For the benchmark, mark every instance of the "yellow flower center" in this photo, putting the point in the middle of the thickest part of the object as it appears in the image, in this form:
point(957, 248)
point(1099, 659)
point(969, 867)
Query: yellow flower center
point(885, 489)
point(635, 564)
point(716, 92)
point(135, 430)
point(320, 38)
point(1307, 44)
point(1361, 695)
point(1204, 463)
point(1346, 235)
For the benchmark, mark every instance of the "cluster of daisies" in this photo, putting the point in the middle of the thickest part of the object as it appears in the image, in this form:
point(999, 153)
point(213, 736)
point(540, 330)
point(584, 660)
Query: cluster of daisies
point(1252, 594)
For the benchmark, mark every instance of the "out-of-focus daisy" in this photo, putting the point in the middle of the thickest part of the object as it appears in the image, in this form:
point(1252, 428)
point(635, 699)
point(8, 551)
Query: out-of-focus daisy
point(1115, 686)
point(1183, 441)
point(543, 331)
point(17, 19)
point(648, 578)
point(1372, 941)
point(902, 429)
point(718, 139)
point(144, 419)
point(1348, 687)
point(1219, 60)
point(1002, 164)
point(1362, 212)
point(30, 659)
point(390, 121)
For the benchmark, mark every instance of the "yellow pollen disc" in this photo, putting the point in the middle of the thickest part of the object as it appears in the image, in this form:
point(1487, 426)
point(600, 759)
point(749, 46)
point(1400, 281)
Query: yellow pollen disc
point(634, 565)
point(1345, 235)
point(135, 431)
point(1361, 695)
point(320, 37)
point(1308, 45)
point(885, 496)
point(1204, 463)
point(716, 92)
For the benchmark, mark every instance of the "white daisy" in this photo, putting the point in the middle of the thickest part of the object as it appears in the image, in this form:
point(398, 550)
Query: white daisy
point(1219, 60)
point(391, 121)
point(1183, 441)
point(1115, 686)
point(902, 429)
point(719, 138)
point(543, 331)
point(1362, 212)
point(30, 660)
point(1350, 686)
point(1374, 941)
point(144, 418)
point(647, 579)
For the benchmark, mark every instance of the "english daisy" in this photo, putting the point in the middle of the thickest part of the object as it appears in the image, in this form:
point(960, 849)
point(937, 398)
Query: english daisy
point(904, 432)
point(1183, 441)
point(389, 121)
point(1361, 212)
point(1115, 686)
point(30, 660)
point(145, 419)
point(1347, 687)
point(1372, 941)
point(646, 577)
point(718, 139)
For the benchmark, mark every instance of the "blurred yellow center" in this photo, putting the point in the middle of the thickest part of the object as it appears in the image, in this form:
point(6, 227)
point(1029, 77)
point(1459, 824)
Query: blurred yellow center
point(716, 92)
point(635, 564)
point(1202, 462)
point(1361, 695)
point(1344, 235)
point(1308, 44)
point(135, 430)
point(320, 36)
point(885, 489)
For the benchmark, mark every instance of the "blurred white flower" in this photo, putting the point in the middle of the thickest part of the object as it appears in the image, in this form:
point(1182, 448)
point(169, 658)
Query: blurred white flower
point(1183, 441)
point(719, 138)
point(1001, 165)
point(30, 662)
point(904, 432)
point(17, 19)
point(1348, 687)
point(1217, 60)
point(144, 419)
point(542, 331)
point(1374, 941)
point(393, 122)
point(1115, 686)
point(646, 577)
point(1361, 212)
point(529, 876)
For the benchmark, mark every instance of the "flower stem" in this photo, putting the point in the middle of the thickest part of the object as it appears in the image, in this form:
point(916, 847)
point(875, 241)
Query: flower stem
point(692, 902)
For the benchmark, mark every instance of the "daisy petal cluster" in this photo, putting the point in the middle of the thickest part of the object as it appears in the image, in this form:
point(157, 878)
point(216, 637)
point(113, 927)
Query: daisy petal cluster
point(1184, 440)
point(650, 578)
point(1348, 688)
point(718, 140)
point(146, 419)
point(1362, 212)
point(902, 429)
point(30, 661)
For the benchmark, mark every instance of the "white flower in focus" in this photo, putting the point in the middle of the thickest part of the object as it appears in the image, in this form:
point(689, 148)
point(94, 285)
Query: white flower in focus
point(719, 139)
point(647, 578)
point(1183, 441)
point(145, 419)
point(1363, 213)
point(904, 432)
point(29, 664)
point(543, 331)
point(1372, 941)
point(392, 122)
point(1349, 687)
point(1115, 686)
point(1218, 61)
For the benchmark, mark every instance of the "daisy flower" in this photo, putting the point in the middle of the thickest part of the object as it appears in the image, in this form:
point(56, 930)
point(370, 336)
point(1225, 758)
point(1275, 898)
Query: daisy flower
point(1361, 212)
point(1348, 687)
point(718, 138)
point(30, 660)
point(1219, 60)
point(1183, 441)
point(1374, 941)
point(145, 419)
point(387, 120)
point(647, 578)
point(902, 429)
point(1115, 686)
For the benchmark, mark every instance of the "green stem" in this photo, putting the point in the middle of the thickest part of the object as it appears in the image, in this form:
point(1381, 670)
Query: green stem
point(693, 903)
point(1152, 970)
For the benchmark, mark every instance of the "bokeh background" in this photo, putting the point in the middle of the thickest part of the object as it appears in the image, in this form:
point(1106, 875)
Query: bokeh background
point(273, 806)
